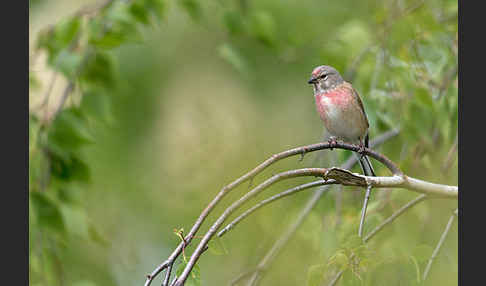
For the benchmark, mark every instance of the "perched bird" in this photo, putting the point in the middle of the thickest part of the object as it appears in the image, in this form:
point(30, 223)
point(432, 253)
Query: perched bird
point(343, 114)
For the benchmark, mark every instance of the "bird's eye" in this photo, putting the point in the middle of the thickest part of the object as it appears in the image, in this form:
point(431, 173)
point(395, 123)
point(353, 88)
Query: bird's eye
point(324, 76)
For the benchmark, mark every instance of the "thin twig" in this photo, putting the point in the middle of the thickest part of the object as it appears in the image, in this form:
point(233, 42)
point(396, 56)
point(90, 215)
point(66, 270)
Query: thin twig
point(450, 158)
point(278, 196)
point(336, 278)
point(363, 211)
point(242, 276)
point(439, 245)
point(396, 214)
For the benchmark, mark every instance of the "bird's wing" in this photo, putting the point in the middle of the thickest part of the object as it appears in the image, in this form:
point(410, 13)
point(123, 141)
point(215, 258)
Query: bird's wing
point(358, 99)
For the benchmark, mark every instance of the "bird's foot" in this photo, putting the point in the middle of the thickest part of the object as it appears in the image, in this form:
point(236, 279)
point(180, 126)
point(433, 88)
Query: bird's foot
point(361, 149)
point(332, 142)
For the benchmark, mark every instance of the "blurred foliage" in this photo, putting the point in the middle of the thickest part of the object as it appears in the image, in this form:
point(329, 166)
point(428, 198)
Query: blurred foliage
point(156, 88)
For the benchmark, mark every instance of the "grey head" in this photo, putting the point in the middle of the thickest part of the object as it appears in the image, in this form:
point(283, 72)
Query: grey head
point(325, 78)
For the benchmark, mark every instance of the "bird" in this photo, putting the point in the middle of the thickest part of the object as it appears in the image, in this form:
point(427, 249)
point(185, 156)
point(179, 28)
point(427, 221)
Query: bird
point(342, 112)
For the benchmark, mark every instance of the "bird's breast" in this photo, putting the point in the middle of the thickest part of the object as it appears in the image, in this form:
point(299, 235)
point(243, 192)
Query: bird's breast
point(341, 116)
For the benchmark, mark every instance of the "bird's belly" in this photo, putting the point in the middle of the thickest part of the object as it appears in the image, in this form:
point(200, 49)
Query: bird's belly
point(341, 118)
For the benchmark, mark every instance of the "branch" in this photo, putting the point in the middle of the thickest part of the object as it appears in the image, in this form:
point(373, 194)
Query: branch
point(283, 240)
point(270, 256)
point(439, 245)
point(317, 172)
point(341, 176)
point(271, 199)
point(250, 175)
point(347, 178)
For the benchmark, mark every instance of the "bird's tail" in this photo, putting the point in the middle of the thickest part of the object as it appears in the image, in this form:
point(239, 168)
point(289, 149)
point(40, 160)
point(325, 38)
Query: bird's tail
point(366, 166)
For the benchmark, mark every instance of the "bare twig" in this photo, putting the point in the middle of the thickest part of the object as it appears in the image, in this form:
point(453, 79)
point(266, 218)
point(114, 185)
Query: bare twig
point(363, 211)
point(439, 245)
point(450, 156)
point(271, 199)
point(449, 76)
point(396, 214)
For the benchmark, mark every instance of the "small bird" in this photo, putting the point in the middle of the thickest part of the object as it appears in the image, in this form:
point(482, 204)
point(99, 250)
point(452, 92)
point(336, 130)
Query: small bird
point(343, 114)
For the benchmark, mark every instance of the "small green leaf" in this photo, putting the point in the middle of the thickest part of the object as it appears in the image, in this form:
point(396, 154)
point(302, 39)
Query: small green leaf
point(315, 274)
point(99, 71)
point(47, 212)
point(68, 63)
point(139, 12)
point(72, 169)
point(59, 38)
point(69, 131)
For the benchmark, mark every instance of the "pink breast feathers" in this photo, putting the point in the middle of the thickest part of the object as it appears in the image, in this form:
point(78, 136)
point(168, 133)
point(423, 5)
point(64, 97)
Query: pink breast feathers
point(337, 98)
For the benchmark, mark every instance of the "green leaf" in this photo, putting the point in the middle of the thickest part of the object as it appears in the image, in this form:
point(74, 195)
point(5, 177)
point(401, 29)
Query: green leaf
point(119, 26)
point(315, 274)
point(99, 71)
point(69, 131)
point(47, 212)
point(71, 169)
point(68, 63)
point(139, 12)
point(194, 278)
point(59, 38)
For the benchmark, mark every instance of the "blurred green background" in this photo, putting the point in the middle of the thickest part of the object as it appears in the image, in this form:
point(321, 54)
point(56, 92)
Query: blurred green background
point(201, 95)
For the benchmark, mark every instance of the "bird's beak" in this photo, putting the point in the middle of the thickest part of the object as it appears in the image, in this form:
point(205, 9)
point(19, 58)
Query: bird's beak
point(312, 80)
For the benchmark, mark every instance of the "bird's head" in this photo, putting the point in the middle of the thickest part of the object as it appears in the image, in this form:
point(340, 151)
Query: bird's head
point(325, 78)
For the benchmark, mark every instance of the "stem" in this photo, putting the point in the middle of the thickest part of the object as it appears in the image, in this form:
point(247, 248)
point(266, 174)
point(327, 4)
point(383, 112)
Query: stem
point(439, 245)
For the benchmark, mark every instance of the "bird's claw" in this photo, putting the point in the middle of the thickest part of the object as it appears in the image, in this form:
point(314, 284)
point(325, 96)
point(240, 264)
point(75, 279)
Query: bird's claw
point(332, 142)
point(361, 149)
